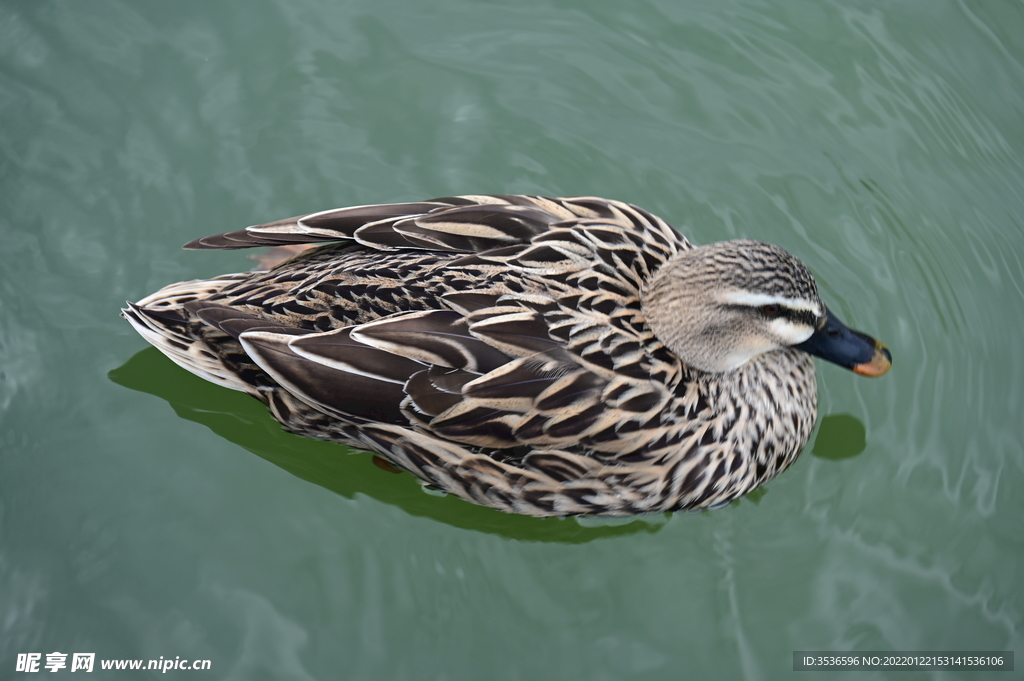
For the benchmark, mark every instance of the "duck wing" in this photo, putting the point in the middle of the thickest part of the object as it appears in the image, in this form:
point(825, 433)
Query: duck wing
point(460, 224)
point(551, 351)
point(457, 224)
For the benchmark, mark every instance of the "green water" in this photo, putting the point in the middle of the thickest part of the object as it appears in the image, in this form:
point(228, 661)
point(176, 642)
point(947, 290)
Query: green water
point(146, 514)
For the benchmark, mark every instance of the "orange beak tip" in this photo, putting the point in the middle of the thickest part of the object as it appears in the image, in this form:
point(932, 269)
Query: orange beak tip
point(879, 364)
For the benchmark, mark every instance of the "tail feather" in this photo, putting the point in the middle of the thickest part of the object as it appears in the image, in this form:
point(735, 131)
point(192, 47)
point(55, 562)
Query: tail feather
point(164, 320)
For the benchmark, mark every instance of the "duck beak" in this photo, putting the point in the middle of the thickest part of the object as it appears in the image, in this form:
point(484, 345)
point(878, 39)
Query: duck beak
point(841, 345)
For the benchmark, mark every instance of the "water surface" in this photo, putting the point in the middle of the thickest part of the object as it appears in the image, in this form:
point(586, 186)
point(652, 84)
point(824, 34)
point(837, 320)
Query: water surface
point(145, 514)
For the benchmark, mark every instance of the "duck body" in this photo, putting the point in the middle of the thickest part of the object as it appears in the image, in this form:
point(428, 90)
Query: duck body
point(547, 357)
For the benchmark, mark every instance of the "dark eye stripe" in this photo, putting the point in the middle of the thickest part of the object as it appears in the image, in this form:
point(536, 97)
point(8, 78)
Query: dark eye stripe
point(800, 316)
point(805, 317)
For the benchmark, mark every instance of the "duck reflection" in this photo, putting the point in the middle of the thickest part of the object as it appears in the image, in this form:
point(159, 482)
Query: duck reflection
point(345, 471)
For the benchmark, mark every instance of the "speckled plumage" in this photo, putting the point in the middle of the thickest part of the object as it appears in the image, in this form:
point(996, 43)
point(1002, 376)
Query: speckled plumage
point(499, 348)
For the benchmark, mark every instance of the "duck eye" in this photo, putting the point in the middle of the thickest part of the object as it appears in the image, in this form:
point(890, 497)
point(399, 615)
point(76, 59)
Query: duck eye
point(772, 310)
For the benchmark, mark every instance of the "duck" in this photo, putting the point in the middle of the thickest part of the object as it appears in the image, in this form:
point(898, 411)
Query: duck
point(541, 356)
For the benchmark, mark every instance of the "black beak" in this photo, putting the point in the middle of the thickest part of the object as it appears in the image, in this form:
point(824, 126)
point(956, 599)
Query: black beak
point(841, 345)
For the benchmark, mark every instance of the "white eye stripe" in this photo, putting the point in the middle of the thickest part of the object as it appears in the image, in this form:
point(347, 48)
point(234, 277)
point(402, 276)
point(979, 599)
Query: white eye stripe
point(761, 299)
point(790, 333)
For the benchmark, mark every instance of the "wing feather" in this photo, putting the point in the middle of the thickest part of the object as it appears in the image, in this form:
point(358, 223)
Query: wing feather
point(328, 385)
point(328, 225)
point(438, 337)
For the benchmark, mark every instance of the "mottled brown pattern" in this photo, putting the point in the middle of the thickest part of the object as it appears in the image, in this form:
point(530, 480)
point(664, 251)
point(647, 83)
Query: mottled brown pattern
point(536, 386)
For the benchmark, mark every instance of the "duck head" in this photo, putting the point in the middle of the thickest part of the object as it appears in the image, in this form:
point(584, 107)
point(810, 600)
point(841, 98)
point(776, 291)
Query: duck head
point(719, 306)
